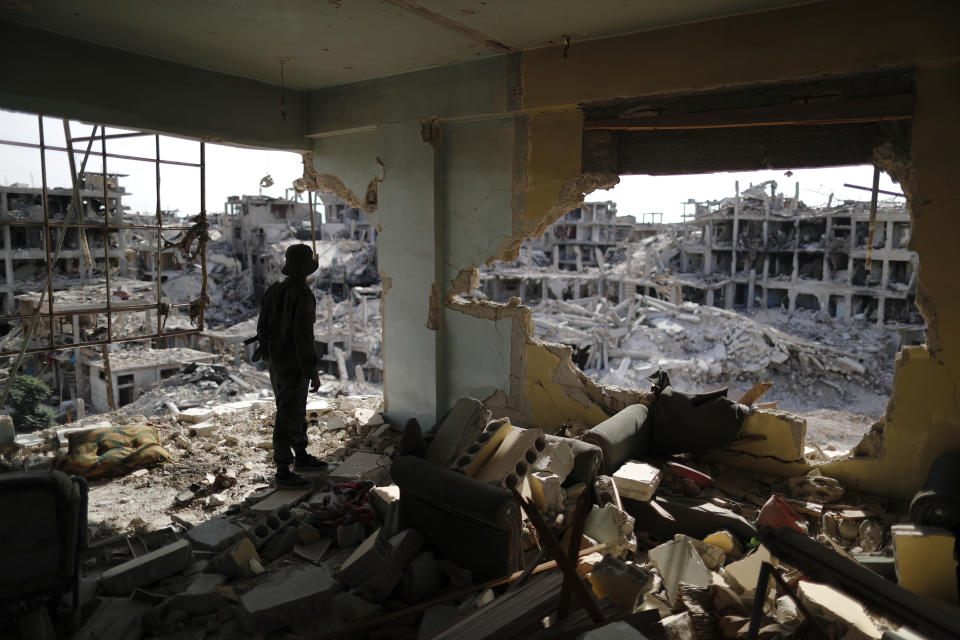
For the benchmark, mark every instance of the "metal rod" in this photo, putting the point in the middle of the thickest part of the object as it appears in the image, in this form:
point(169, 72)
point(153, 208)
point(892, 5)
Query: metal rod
point(887, 193)
point(94, 136)
point(105, 349)
point(31, 145)
point(873, 217)
point(96, 310)
point(96, 343)
point(75, 200)
point(112, 227)
point(313, 228)
point(159, 237)
point(203, 234)
point(46, 231)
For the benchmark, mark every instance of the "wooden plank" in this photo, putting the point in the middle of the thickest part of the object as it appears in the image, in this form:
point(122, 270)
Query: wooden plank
point(755, 393)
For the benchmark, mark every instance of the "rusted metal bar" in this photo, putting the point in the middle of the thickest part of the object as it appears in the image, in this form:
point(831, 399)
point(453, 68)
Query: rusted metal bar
point(313, 227)
point(46, 232)
point(563, 562)
point(767, 571)
point(96, 343)
point(203, 234)
point(95, 310)
point(93, 136)
point(75, 201)
point(31, 145)
point(112, 227)
point(886, 193)
point(156, 264)
point(873, 218)
point(106, 241)
point(105, 349)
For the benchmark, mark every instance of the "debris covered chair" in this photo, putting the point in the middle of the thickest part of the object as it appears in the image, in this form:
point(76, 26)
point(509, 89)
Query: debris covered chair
point(44, 533)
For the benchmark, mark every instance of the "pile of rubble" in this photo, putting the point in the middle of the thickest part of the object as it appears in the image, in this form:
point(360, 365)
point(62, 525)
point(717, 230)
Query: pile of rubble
point(705, 347)
point(413, 534)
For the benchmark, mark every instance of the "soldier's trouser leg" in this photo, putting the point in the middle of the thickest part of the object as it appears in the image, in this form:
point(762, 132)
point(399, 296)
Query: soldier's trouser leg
point(290, 425)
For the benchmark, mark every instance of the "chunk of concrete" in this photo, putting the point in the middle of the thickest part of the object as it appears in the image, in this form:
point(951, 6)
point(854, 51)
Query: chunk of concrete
point(366, 559)
point(486, 444)
point(619, 630)
point(816, 486)
point(114, 619)
point(605, 491)
point(313, 552)
point(458, 429)
point(925, 561)
point(288, 599)
point(403, 547)
point(148, 568)
point(216, 534)
point(679, 626)
point(637, 480)
point(236, 563)
point(512, 460)
point(556, 458)
point(722, 539)
point(678, 561)
point(205, 429)
point(619, 581)
point(194, 415)
point(281, 544)
point(361, 466)
point(713, 557)
point(546, 491)
point(824, 600)
point(612, 526)
point(279, 499)
point(744, 573)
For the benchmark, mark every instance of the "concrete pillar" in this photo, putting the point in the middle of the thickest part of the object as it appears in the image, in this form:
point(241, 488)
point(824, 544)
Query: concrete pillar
point(796, 267)
point(885, 274)
point(708, 244)
point(709, 298)
point(791, 300)
point(556, 256)
point(881, 309)
point(750, 288)
point(728, 295)
point(848, 306)
point(888, 244)
point(577, 253)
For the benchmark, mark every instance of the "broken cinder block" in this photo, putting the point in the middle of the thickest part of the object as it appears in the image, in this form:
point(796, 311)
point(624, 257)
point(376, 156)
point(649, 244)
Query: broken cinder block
point(612, 526)
point(288, 600)
point(458, 429)
point(546, 491)
point(678, 561)
point(365, 560)
point(215, 534)
point(511, 462)
point(361, 466)
point(403, 547)
point(486, 444)
point(619, 581)
point(148, 568)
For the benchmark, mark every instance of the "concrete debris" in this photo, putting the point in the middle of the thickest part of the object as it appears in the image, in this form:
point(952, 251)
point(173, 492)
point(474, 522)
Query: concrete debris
point(146, 569)
point(637, 480)
point(619, 581)
point(678, 561)
point(816, 486)
point(288, 600)
point(457, 430)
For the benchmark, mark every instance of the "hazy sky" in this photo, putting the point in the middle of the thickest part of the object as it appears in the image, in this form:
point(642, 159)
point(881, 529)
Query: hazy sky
point(235, 171)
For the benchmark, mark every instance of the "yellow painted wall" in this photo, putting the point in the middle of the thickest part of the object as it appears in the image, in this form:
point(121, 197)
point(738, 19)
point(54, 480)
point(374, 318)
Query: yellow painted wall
point(550, 403)
point(844, 36)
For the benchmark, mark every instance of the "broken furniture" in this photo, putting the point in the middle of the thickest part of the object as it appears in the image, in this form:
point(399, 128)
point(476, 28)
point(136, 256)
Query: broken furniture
point(44, 534)
point(475, 525)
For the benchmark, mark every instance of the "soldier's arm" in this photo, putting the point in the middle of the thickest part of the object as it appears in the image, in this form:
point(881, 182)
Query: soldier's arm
point(263, 324)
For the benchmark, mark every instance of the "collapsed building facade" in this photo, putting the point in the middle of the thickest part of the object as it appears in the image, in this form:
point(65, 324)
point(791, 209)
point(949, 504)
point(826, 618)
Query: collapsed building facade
point(469, 156)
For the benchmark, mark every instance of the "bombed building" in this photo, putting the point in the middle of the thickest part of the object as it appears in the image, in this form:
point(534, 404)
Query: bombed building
point(611, 444)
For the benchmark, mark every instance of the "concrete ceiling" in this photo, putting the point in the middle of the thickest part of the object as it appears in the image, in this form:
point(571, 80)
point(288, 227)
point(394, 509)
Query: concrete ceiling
point(332, 42)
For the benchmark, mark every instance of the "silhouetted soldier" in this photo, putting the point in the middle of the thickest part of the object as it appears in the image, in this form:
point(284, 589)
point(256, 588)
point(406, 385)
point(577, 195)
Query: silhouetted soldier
point(285, 332)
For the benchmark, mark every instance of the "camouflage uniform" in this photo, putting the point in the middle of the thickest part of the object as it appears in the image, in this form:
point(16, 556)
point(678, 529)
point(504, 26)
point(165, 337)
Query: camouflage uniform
point(285, 330)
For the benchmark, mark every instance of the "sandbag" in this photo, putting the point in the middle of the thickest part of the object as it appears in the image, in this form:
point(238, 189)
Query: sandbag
point(112, 451)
